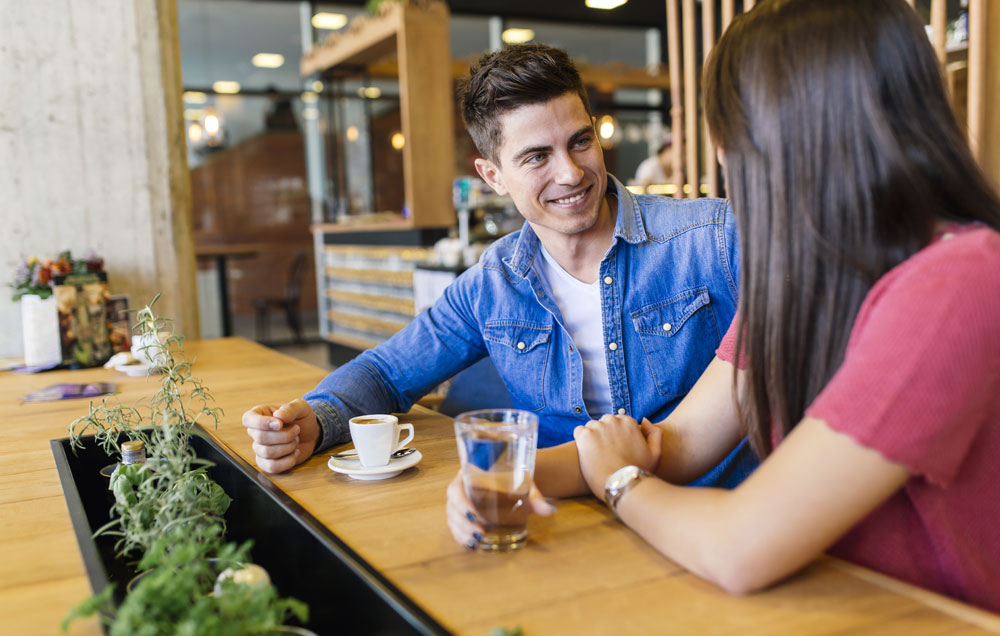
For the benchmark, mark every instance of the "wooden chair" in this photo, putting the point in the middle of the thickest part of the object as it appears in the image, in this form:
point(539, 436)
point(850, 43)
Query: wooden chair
point(289, 303)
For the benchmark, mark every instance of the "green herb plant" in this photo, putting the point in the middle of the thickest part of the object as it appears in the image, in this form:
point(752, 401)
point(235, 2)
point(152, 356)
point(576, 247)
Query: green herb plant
point(168, 513)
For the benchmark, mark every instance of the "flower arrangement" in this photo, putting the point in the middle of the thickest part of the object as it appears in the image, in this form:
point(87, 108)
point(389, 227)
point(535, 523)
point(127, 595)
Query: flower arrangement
point(34, 276)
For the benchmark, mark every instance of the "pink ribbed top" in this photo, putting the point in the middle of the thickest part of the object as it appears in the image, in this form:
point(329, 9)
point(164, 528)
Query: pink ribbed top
point(920, 383)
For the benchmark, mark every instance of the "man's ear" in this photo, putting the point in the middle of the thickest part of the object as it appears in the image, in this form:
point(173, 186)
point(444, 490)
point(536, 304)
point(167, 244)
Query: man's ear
point(491, 175)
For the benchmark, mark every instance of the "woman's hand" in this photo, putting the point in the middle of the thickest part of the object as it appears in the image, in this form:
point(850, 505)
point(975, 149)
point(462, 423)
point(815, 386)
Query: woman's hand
point(614, 441)
point(463, 521)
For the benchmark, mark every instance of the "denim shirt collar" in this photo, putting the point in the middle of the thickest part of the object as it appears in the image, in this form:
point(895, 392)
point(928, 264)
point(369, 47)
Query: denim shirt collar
point(629, 227)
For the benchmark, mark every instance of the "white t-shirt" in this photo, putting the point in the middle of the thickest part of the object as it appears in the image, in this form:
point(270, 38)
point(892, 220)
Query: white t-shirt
point(651, 170)
point(580, 305)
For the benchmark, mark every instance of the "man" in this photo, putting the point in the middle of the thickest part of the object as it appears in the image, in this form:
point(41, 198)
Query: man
point(603, 303)
point(659, 168)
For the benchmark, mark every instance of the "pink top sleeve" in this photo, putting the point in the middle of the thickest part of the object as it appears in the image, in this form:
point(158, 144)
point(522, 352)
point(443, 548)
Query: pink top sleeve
point(727, 348)
point(922, 367)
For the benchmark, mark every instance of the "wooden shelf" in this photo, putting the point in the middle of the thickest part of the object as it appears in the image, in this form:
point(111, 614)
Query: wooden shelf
point(417, 33)
point(370, 301)
point(366, 323)
point(363, 225)
point(354, 343)
point(402, 278)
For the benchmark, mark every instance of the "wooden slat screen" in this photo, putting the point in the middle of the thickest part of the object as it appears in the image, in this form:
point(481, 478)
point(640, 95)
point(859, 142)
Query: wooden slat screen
point(695, 169)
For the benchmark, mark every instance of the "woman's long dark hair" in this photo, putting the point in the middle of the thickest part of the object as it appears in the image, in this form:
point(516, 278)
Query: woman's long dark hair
point(842, 153)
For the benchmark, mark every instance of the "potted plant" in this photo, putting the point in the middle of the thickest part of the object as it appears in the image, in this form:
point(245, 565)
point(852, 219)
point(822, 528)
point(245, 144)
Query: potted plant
point(168, 513)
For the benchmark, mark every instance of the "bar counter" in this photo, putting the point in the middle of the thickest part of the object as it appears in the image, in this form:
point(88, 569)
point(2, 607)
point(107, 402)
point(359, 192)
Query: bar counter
point(582, 572)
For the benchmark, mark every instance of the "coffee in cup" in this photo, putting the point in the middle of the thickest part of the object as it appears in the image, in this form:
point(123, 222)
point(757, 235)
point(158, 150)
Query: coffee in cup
point(376, 438)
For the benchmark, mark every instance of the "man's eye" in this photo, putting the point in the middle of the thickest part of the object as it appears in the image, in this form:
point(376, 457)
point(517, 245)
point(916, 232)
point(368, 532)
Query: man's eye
point(583, 142)
point(536, 158)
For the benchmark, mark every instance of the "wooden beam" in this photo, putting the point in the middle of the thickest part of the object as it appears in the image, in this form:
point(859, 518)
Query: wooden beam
point(676, 95)
point(939, 29)
point(727, 14)
point(707, 42)
point(978, 16)
point(691, 100)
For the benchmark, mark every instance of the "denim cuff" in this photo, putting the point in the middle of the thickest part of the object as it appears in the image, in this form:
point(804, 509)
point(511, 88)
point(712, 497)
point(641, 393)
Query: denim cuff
point(332, 427)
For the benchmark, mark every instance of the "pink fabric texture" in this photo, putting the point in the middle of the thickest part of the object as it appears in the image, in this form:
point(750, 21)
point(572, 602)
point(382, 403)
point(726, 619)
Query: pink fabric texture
point(920, 383)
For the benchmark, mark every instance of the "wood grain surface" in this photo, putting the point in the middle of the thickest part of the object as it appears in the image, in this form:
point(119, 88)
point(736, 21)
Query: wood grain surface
point(582, 572)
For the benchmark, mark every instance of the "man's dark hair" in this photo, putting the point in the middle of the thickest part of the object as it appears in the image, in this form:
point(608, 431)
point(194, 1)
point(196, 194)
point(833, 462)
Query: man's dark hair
point(514, 76)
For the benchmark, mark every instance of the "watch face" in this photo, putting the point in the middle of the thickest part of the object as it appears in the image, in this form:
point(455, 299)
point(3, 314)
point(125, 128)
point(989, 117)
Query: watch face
point(621, 477)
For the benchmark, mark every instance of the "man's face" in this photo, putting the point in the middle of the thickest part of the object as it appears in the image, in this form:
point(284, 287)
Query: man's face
point(551, 165)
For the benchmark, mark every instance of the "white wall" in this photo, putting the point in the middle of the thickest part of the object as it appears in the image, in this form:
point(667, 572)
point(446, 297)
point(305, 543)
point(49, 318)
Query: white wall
point(87, 158)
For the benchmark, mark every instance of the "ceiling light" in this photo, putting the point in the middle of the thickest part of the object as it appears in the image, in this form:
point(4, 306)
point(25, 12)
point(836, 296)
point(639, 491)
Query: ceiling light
point(194, 97)
point(227, 87)
point(398, 141)
point(212, 124)
point(310, 112)
point(329, 21)
point(517, 36)
point(195, 132)
point(605, 4)
point(317, 86)
point(268, 60)
point(606, 127)
point(352, 133)
point(309, 97)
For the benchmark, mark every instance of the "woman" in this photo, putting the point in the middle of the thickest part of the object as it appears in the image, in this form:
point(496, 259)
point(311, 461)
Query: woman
point(870, 325)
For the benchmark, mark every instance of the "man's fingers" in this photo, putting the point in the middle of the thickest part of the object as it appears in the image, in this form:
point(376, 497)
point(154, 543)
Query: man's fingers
point(261, 419)
point(277, 465)
point(275, 451)
point(285, 436)
point(291, 411)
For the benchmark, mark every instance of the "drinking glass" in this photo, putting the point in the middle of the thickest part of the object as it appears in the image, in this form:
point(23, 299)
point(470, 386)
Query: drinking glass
point(497, 450)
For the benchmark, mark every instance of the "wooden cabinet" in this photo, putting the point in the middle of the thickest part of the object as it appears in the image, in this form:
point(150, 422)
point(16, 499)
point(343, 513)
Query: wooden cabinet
point(417, 34)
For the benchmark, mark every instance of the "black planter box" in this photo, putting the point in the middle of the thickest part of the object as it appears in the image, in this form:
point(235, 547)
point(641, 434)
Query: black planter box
point(305, 560)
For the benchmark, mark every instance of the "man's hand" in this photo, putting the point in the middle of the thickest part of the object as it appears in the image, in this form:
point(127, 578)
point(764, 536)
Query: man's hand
point(283, 436)
point(463, 521)
point(615, 441)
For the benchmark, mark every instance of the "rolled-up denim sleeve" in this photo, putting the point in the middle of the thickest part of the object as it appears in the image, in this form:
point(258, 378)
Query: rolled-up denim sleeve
point(441, 341)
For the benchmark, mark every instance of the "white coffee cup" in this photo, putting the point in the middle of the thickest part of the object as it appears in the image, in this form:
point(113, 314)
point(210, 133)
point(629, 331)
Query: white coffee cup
point(376, 437)
point(150, 348)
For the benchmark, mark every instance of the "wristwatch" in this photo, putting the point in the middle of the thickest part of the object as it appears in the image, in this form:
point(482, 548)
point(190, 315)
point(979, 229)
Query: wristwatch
point(619, 483)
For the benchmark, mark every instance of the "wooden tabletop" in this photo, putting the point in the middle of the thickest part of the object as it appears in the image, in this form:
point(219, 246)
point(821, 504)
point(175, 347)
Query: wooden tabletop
point(582, 572)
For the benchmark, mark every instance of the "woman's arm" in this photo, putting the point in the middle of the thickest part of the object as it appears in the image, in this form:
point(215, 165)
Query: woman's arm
point(700, 432)
point(817, 485)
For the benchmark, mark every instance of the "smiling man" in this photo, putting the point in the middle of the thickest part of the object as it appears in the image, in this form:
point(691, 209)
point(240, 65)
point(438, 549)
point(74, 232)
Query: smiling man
point(604, 302)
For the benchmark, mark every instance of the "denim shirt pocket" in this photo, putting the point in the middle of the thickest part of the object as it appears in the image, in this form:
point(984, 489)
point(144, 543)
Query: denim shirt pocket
point(520, 351)
point(679, 335)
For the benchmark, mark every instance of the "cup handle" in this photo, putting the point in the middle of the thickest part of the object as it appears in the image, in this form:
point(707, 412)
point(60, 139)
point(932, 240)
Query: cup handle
point(409, 437)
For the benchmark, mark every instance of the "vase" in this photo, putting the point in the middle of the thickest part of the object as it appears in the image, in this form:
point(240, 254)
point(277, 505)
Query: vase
point(40, 326)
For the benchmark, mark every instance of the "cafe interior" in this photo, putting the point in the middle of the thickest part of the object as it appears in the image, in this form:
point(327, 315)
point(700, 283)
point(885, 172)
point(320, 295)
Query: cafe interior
point(213, 204)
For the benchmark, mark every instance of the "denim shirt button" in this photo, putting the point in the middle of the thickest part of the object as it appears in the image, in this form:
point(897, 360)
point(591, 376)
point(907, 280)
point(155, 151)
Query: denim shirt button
point(667, 326)
point(571, 347)
point(613, 346)
point(520, 346)
point(621, 411)
point(577, 409)
point(608, 280)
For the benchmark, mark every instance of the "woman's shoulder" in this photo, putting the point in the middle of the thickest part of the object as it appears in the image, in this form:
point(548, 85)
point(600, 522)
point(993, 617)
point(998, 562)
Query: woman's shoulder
point(962, 258)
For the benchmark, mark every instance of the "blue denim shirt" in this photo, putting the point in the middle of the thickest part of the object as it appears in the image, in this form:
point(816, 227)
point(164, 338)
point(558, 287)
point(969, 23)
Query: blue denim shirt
point(668, 293)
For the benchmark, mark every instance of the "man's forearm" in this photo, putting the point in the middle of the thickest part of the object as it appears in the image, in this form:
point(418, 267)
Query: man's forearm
point(557, 472)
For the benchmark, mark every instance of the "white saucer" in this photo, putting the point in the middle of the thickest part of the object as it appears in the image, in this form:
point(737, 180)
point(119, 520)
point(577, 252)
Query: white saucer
point(352, 466)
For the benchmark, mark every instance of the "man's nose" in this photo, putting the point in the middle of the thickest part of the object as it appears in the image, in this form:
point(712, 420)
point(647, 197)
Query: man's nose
point(568, 172)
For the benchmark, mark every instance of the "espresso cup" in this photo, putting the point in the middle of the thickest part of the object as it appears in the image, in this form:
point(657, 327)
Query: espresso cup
point(376, 437)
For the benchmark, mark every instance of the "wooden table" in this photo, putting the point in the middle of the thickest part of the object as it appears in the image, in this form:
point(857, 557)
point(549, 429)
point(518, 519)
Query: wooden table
point(581, 573)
